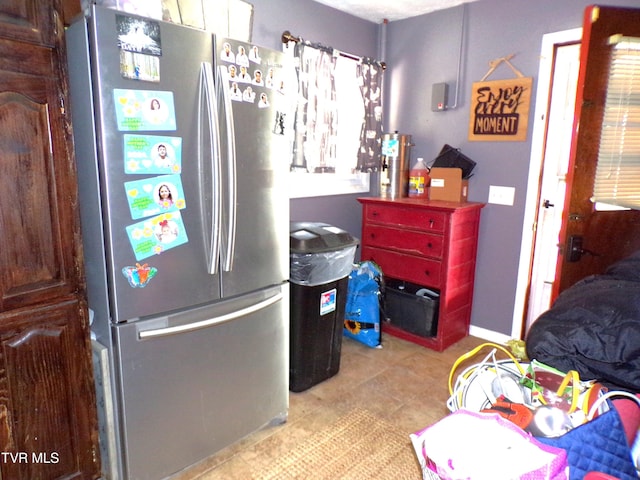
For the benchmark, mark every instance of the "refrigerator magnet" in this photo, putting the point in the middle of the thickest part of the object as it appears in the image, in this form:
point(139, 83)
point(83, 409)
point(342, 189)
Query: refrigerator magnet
point(235, 93)
point(144, 110)
point(139, 275)
point(270, 81)
point(153, 196)
point(264, 101)
point(152, 154)
point(227, 54)
point(257, 78)
point(231, 73)
point(157, 235)
point(248, 95)
point(139, 35)
point(138, 66)
point(254, 55)
point(241, 57)
point(244, 76)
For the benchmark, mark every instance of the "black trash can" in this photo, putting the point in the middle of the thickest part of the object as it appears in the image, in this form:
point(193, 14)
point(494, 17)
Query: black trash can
point(321, 259)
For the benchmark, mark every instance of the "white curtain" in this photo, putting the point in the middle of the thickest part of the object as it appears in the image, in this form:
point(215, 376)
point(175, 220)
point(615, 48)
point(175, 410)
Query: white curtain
point(338, 120)
point(316, 115)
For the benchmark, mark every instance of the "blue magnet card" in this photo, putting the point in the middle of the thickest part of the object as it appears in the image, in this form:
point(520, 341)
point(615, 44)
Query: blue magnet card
point(144, 110)
point(157, 234)
point(152, 154)
point(156, 195)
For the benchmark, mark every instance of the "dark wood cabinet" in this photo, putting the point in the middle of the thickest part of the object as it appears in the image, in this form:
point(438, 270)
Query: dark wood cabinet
point(29, 21)
point(428, 243)
point(48, 420)
point(48, 429)
point(70, 9)
point(40, 260)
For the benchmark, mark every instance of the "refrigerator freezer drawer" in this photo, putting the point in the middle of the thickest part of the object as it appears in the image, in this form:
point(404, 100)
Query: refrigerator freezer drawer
point(171, 329)
point(190, 393)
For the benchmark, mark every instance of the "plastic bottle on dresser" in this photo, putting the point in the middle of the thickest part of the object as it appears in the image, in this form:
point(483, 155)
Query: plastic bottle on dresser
point(419, 180)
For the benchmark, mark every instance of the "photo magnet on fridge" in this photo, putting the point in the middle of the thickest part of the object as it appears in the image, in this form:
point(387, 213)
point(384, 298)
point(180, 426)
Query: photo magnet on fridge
point(152, 154)
point(144, 110)
point(157, 234)
point(153, 196)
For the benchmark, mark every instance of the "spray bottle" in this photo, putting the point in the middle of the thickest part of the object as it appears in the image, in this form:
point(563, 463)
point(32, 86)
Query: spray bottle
point(419, 180)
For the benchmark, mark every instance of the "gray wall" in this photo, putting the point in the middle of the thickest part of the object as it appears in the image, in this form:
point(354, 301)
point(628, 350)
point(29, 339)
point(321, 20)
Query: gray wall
point(424, 50)
point(420, 52)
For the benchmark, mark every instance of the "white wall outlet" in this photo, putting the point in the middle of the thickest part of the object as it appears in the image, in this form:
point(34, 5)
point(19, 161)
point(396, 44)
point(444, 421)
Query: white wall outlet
point(501, 195)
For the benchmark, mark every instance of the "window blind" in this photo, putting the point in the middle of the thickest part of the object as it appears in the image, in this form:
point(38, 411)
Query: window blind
point(617, 179)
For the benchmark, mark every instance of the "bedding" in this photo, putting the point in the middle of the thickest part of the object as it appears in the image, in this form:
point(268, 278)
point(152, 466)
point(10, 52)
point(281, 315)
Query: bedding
point(593, 327)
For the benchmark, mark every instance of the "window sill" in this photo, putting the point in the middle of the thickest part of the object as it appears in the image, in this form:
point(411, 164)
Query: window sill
point(303, 185)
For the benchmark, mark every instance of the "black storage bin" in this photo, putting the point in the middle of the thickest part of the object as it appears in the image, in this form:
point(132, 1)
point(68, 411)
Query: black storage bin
point(412, 307)
point(321, 260)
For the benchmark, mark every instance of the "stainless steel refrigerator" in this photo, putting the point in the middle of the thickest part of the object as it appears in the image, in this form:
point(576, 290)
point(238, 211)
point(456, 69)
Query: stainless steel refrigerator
point(182, 145)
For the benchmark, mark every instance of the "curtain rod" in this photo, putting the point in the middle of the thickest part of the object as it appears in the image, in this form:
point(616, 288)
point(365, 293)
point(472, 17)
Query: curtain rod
point(288, 37)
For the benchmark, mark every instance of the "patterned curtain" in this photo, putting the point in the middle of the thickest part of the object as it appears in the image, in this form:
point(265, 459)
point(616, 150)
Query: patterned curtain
point(370, 74)
point(316, 114)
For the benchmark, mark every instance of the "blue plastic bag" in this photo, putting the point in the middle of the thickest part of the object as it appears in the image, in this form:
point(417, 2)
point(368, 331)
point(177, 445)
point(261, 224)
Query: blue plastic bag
point(362, 312)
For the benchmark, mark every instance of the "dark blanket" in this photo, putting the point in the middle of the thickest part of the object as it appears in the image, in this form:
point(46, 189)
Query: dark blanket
point(594, 328)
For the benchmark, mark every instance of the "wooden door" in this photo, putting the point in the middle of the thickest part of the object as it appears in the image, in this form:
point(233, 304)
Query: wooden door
point(607, 236)
point(48, 416)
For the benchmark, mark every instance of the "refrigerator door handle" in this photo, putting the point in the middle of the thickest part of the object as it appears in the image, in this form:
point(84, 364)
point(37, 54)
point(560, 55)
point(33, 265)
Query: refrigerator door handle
point(228, 249)
point(212, 209)
point(189, 327)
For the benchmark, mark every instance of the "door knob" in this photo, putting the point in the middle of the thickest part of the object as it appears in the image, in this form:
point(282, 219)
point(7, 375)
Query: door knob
point(547, 204)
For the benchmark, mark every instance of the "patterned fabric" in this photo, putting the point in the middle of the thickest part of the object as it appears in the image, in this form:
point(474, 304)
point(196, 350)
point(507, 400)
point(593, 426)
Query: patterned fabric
point(370, 74)
point(597, 446)
point(316, 115)
point(316, 119)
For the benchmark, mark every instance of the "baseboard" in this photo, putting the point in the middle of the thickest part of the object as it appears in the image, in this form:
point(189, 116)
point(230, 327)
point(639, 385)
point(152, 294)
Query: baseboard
point(489, 335)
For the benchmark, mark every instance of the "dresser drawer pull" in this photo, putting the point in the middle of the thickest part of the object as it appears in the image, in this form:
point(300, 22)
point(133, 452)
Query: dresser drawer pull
point(431, 222)
point(427, 273)
point(429, 245)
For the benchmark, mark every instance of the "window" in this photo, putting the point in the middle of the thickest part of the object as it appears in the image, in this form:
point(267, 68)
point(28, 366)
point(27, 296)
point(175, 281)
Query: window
point(617, 180)
point(338, 122)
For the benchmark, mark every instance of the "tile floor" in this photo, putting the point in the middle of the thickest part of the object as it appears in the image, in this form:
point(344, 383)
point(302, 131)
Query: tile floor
point(405, 384)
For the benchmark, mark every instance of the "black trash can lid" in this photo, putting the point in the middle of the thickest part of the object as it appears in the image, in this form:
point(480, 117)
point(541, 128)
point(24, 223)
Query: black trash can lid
point(312, 237)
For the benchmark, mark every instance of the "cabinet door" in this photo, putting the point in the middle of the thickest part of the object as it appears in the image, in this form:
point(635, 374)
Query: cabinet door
point(47, 398)
point(39, 230)
point(32, 21)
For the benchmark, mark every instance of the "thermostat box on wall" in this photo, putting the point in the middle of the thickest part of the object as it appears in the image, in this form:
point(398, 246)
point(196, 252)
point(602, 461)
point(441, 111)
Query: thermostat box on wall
point(447, 184)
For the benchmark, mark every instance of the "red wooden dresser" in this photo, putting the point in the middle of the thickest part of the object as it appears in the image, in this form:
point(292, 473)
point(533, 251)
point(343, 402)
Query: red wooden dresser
point(430, 243)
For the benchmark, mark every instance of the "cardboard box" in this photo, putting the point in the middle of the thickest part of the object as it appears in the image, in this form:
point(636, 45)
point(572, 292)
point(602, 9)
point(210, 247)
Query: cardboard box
point(447, 184)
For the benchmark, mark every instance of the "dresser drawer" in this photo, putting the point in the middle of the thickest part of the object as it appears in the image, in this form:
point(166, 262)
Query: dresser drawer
point(422, 271)
point(401, 239)
point(416, 218)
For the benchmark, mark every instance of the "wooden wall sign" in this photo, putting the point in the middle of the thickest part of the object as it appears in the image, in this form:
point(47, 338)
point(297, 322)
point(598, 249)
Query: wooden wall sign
point(500, 108)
